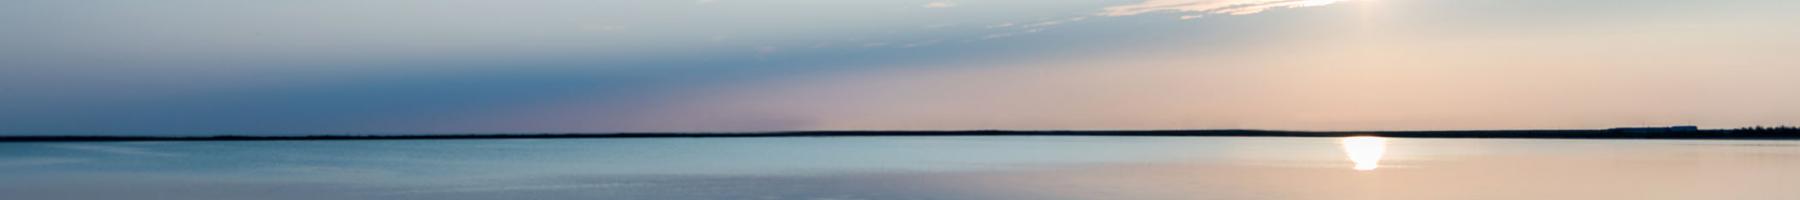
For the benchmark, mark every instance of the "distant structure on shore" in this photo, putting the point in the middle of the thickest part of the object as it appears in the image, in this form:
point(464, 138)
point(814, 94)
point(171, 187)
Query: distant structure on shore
point(1671, 129)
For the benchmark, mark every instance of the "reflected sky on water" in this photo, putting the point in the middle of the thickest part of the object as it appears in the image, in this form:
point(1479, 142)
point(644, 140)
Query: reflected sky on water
point(907, 168)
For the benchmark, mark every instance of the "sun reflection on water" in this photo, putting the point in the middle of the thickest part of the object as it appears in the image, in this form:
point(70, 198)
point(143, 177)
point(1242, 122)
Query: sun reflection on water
point(1365, 151)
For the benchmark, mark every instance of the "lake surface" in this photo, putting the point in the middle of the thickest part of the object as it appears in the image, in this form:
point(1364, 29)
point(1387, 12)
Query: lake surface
point(1002, 167)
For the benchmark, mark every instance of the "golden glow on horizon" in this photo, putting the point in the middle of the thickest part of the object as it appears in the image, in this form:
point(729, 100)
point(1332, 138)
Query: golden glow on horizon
point(1365, 151)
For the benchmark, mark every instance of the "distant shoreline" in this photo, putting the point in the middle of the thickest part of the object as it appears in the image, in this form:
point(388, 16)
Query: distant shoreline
point(1783, 134)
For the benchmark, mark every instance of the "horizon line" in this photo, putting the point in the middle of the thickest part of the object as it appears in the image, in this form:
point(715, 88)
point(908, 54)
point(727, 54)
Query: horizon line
point(1669, 132)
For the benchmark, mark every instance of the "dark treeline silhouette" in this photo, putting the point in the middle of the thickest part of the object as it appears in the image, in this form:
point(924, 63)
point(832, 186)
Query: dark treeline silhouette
point(1678, 132)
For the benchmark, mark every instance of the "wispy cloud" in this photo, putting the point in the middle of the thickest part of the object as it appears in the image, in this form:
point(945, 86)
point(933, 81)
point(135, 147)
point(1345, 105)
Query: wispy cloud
point(602, 28)
point(1227, 7)
point(938, 26)
point(762, 52)
point(940, 4)
point(1028, 28)
point(921, 43)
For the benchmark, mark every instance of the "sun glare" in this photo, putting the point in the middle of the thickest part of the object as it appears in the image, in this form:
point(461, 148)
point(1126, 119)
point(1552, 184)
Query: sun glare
point(1365, 151)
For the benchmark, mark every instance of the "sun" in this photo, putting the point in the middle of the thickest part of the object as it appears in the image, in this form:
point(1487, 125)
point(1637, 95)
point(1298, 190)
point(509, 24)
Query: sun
point(1365, 151)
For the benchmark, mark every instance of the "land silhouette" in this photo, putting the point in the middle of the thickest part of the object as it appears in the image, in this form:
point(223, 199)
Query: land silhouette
point(1675, 132)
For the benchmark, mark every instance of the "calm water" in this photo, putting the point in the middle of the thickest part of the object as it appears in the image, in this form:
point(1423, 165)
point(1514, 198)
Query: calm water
point(907, 168)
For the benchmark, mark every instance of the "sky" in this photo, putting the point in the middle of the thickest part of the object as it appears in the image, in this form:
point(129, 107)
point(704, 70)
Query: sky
point(202, 67)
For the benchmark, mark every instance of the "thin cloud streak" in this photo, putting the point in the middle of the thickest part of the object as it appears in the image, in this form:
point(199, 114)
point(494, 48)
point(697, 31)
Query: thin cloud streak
point(940, 4)
point(1227, 7)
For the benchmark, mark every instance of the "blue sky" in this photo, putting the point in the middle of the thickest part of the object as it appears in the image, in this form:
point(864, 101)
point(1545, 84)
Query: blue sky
point(414, 66)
